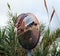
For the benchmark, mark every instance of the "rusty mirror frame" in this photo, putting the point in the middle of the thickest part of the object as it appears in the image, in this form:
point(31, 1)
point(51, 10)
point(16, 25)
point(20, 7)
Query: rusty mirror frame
point(27, 30)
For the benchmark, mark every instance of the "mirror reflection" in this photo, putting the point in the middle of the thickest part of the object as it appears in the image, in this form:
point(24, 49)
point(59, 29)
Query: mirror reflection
point(28, 30)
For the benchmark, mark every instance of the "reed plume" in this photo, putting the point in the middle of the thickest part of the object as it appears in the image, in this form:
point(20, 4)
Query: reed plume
point(53, 12)
point(46, 5)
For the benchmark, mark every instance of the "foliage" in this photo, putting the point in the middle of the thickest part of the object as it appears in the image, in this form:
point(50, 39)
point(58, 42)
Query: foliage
point(42, 28)
point(46, 44)
point(55, 51)
point(8, 41)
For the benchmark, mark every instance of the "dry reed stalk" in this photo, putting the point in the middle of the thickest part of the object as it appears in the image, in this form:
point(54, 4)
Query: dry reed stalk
point(46, 5)
point(53, 12)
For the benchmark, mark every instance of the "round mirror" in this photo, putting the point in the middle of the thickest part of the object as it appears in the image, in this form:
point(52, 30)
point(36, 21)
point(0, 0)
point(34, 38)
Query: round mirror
point(27, 30)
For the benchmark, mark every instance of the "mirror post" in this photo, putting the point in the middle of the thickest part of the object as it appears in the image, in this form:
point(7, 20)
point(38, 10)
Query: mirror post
point(29, 53)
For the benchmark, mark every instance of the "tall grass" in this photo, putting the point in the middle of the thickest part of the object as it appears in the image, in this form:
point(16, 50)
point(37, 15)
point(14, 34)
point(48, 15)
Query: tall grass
point(9, 45)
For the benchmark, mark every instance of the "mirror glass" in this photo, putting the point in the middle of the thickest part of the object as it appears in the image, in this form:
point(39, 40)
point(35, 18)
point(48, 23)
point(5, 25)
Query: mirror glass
point(28, 30)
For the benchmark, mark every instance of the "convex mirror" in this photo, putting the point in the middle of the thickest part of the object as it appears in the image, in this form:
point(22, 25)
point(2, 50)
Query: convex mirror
point(27, 30)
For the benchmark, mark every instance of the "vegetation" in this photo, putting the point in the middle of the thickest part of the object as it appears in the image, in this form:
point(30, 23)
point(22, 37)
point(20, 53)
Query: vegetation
point(48, 46)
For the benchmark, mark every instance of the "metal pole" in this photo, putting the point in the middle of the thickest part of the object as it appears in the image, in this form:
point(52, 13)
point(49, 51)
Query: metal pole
point(29, 53)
